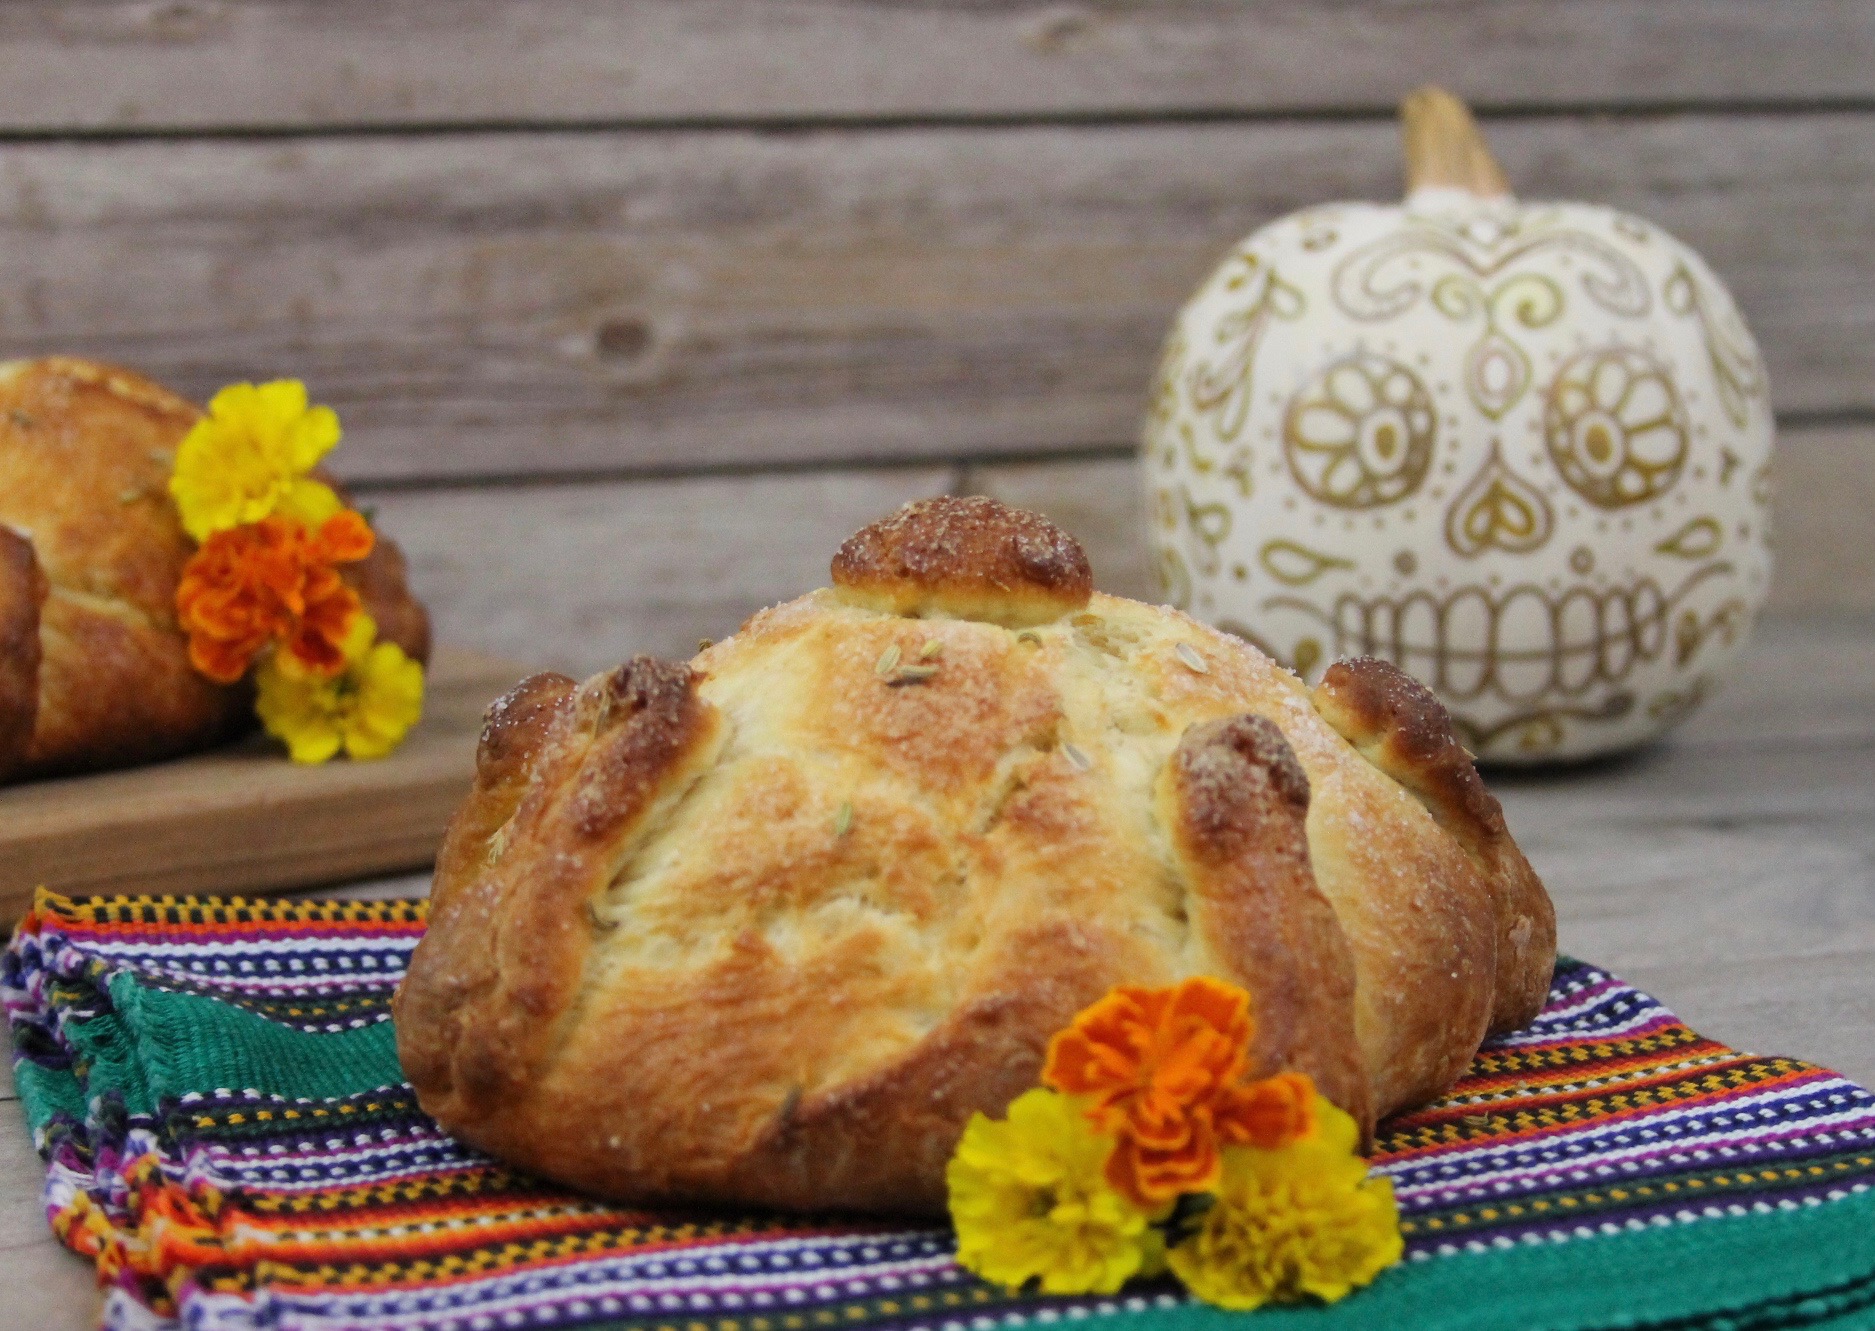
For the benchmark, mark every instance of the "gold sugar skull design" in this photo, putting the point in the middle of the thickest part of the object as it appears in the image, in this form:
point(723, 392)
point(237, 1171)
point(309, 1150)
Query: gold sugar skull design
point(1222, 388)
point(1360, 434)
point(1498, 509)
point(1519, 450)
point(1616, 427)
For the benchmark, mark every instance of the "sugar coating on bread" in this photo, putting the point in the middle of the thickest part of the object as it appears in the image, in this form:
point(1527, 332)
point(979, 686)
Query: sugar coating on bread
point(883, 842)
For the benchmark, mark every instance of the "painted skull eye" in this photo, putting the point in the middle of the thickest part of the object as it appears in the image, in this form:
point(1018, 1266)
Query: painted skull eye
point(1384, 442)
point(1598, 444)
point(1616, 427)
point(1360, 433)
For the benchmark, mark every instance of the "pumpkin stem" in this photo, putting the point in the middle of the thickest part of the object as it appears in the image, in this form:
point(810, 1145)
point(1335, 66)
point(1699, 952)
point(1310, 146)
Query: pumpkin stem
point(1444, 147)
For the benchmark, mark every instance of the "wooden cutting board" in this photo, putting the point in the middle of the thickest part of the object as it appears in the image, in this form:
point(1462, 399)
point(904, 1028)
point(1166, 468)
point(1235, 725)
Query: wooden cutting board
point(243, 820)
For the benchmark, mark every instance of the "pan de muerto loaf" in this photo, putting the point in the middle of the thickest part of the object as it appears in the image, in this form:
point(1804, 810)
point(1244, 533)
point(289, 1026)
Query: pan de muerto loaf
point(766, 928)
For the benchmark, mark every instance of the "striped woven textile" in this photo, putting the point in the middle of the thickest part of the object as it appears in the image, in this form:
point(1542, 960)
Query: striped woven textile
point(214, 1087)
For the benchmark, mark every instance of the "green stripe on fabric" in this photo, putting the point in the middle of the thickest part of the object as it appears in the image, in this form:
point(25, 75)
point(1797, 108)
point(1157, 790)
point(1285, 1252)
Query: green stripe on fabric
point(1812, 1266)
point(45, 1092)
point(188, 1042)
point(108, 1058)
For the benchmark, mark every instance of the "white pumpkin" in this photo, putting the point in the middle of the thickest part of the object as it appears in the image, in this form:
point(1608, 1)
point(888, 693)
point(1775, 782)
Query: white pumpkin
point(1520, 449)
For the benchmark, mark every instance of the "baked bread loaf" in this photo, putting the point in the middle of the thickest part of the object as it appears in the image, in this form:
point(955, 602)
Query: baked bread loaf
point(766, 928)
point(94, 670)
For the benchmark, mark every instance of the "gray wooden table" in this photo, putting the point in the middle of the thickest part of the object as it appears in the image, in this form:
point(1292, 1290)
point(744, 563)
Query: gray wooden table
point(1730, 871)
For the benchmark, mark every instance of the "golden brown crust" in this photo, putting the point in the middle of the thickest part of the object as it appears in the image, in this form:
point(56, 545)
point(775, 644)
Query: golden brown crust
point(970, 558)
point(705, 1101)
point(505, 950)
point(84, 463)
point(1402, 728)
point(873, 862)
point(881, 1143)
point(513, 730)
point(85, 455)
point(22, 593)
point(1240, 804)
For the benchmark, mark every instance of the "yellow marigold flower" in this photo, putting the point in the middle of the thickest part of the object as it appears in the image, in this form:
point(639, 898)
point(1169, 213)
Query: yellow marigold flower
point(1305, 1219)
point(249, 457)
point(365, 709)
point(1030, 1199)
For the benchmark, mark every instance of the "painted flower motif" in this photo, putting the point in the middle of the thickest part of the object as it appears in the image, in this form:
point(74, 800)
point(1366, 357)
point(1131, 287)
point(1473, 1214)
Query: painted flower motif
point(1304, 1220)
point(366, 708)
point(1161, 1071)
point(1360, 434)
point(1616, 427)
point(272, 581)
point(248, 459)
point(1030, 1201)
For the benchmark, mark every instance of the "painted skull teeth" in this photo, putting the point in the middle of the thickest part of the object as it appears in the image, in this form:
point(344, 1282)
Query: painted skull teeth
point(1525, 644)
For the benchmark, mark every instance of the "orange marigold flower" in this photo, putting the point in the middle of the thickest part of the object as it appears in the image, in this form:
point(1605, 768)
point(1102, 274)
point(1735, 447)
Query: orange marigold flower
point(272, 581)
point(1268, 1114)
point(1157, 1066)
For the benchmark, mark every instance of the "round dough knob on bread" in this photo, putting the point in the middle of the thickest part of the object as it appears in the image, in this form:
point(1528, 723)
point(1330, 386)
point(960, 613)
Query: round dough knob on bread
point(768, 927)
point(967, 559)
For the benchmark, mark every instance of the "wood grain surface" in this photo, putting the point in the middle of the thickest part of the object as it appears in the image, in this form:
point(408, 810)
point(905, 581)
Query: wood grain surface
point(1824, 513)
point(275, 63)
point(582, 577)
point(502, 305)
point(1730, 871)
point(245, 820)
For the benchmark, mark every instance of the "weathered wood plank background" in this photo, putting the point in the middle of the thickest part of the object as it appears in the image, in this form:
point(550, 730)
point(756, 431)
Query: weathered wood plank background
point(633, 310)
point(291, 63)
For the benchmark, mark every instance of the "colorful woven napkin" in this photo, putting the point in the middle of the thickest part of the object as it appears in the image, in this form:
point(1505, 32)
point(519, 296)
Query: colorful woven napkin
point(215, 1088)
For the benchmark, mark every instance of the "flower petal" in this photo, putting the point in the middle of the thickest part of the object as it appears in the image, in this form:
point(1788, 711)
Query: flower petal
point(1029, 1202)
point(309, 503)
